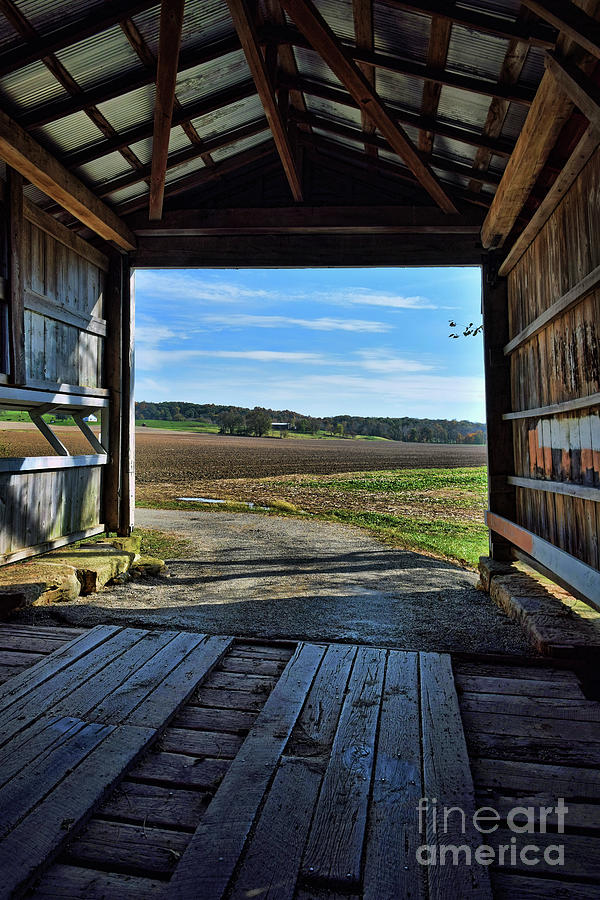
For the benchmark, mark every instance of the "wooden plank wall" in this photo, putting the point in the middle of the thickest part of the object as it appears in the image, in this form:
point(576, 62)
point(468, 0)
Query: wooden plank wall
point(63, 288)
point(560, 364)
point(37, 508)
point(64, 306)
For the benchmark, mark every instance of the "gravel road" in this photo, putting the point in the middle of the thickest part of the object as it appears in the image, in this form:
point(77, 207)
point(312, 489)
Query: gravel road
point(274, 577)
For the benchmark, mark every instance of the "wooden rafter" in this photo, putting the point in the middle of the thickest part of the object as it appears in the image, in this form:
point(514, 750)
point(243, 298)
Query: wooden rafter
point(357, 158)
point(498, 146)
point(363, 33)
point(124, 84)
point(195, 110)
point(206, 175)
point(21, 24)
point(316, 30)
point(510, 72)
point(477, 20)
point(24, 154)
point(63, 36)
point(570, 20)
point(246, 31)
point(400, 66)
point(171, 23)
point(144, 53)
point(437, 53)
point(286, 60)
point(438, 162)
point(575, 84)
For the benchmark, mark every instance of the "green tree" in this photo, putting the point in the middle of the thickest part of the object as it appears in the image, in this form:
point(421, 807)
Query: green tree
point(259, 421)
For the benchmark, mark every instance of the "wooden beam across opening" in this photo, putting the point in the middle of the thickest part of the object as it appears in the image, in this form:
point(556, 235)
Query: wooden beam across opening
point(571, 20)
point(580, 89)
point(323, 40)
point(171, 23)
point(23, 153)
point(309, 220)
point(242, 19)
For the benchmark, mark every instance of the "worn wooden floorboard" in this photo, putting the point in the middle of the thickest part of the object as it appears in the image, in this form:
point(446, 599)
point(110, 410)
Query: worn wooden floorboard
point(237, 781)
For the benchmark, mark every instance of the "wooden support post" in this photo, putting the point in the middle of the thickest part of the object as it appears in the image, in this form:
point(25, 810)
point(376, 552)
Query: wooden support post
point(111, 428)
point(127, 404)
point(501, 465)
point(16, 275)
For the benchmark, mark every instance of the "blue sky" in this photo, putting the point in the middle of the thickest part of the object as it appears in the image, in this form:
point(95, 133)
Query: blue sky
point(318, 341)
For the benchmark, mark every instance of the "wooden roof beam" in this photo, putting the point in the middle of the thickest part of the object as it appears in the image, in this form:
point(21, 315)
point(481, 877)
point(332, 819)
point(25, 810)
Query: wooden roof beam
point(438, 162)
point(190, 59)
point(575, 84)
point(94, 23)
point(547, 116)
point(570, 20)
point(498, 146)
point(20, 151)
point(437, 53)
point(477, 20)
point(194, 111)
point(169, 42)
point(364, 38)
point(244, 26)
point(316, 30)
point(469, 83)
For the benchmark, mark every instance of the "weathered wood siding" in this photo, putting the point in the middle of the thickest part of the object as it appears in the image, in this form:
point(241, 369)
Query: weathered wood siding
point(560, 364)
point(63, 289)
point(41, 507)
point(64, 303)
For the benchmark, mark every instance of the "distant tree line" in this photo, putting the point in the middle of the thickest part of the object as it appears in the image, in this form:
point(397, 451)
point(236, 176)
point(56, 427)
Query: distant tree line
point(241, 420)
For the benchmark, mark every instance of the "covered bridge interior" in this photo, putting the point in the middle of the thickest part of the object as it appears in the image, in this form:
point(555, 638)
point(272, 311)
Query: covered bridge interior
point(288, 133)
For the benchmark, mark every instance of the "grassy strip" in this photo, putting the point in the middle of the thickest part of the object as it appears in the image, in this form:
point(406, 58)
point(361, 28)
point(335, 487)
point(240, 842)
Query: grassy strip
point(163, 544)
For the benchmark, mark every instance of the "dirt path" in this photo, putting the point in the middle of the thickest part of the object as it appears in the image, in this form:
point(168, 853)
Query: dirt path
point(276, 577)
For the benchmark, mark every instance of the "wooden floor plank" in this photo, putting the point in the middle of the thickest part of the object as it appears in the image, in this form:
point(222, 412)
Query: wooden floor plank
point(508, 886)
point(221, 699)
point(177, 686)
point(56, 687)
point(581, 855)
point(518, 777)
point(447, 778)
point(20, 658)
point(208, 864)
point(219, 745)
point(31, 744)
point(524, 687)
point(234, 721)
point(558, 751)
point(135, 849)
point(56, 662)
point(391, 869)
point(151, 804)
point(549, 707)
point(39, 836)
point(84, 700)
point(272, 859)
point(581, 816)
point(179, 769)
point(236, 681)
point(333, 852)
point(253, 666)
point(534, 672)
point(66, 750)
point(77, 883)
point(117, 706)
point(31, 643)
point(540, 726)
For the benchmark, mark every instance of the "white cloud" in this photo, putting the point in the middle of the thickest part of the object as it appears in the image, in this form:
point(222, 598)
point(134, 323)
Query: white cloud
point(184, 286)
point(152, 359)
point(387, 364)
point(320, 324)
point(367, 297)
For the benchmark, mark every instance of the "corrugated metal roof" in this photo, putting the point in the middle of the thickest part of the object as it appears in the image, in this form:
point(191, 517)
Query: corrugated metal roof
point(48, 15)
point(203, 23)
point(337, 112)
point(130, 109)
point(129, 193)
point(533, 70)
point(70, 133)
point(229, 117)
point(514, 121)
point(101, 170)
point(241, 146)
point(338, 139)
point(218, 74)
point(475, 53)
point(100, 58)
point(402, 90)
point(31, 87)
point(401, 33)
point(454, 150)
point(508, 9)
point(311, 65)
point(187, 168)
point(338, 15)
point(462, 106)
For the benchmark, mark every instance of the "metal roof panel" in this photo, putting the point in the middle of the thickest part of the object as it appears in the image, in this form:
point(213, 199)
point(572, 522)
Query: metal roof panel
point(399, 32)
